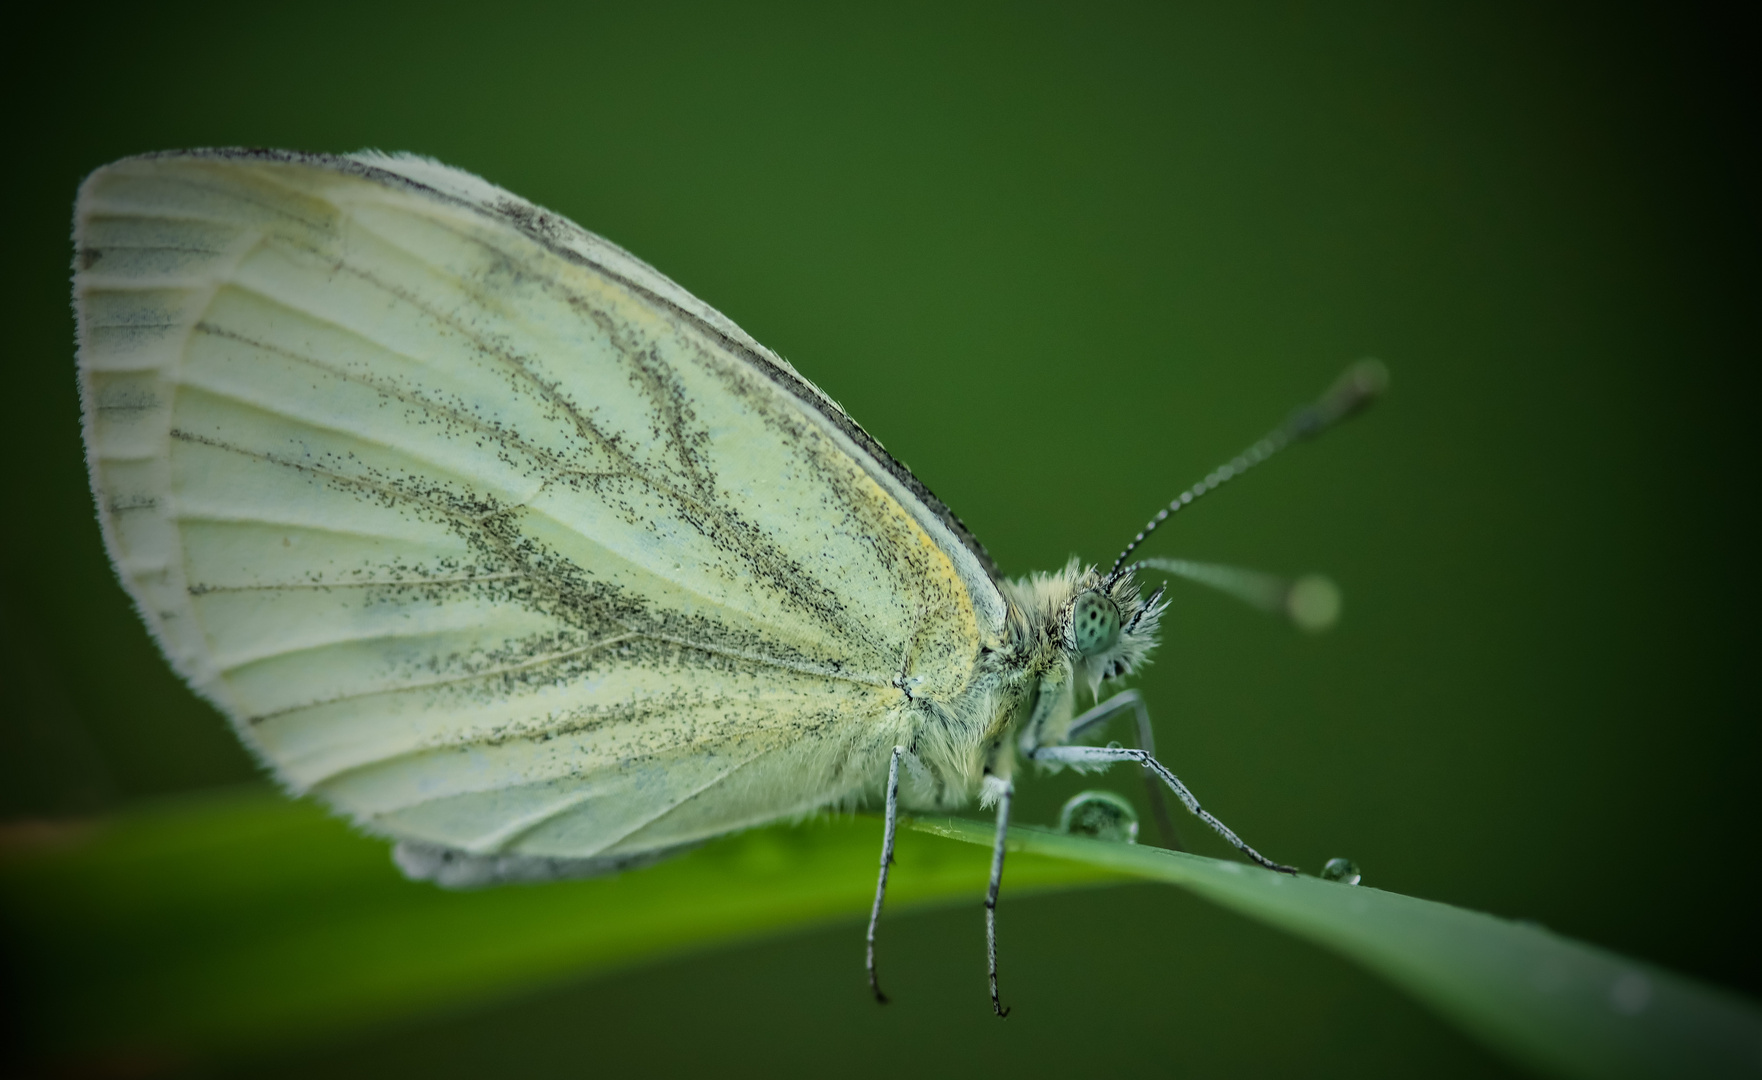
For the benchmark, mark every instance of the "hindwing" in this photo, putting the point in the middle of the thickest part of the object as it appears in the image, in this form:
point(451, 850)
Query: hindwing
point(481, 529)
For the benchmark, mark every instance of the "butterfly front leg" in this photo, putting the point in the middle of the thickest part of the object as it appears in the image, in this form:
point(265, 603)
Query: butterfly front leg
point(1107, 710)
point(1102, 756)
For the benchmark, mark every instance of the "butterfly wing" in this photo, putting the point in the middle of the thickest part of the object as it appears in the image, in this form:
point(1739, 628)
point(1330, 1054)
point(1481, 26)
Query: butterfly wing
point(481, 529)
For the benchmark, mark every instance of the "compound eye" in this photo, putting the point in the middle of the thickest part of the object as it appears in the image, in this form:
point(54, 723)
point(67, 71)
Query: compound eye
point(1096, 622)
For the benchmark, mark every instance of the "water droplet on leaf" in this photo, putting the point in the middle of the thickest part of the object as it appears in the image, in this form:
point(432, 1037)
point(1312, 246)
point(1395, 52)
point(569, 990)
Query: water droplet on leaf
point(1099, 814)
point(1345, 871)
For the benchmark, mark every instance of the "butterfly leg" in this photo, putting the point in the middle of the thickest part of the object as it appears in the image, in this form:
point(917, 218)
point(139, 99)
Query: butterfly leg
point(1003, 800)
point(1107, 710)
point(1093, 756)
point(886, 861)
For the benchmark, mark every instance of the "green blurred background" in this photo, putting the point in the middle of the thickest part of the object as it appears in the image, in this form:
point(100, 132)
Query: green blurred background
point(983, 229)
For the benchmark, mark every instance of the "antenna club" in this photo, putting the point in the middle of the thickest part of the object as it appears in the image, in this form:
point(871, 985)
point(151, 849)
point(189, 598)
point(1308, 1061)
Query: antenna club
point(1313, 603)
point(1370, 375)
point(1356, 388)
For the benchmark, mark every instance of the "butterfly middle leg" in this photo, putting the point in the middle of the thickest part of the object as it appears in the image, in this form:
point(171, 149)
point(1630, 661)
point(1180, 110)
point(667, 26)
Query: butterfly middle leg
point(892, 824)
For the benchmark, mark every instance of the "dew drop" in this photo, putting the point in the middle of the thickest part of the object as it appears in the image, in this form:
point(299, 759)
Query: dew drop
point(1099, 814)
point(1345, 871)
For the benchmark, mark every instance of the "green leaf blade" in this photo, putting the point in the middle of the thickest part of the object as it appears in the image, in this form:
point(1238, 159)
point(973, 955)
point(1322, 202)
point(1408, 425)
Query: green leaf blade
point(1558, 1005)
point(238, 922)
point(241, 921)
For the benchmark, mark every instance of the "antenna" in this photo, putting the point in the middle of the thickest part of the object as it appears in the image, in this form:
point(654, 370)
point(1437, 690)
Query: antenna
point(1356, 388)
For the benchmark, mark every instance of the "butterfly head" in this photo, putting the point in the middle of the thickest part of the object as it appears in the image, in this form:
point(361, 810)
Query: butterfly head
point(1101, 625)
point(1108, 627)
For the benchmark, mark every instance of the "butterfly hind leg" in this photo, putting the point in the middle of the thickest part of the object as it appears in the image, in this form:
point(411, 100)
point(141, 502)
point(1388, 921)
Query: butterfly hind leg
point(1004, 793)
point(892, 823)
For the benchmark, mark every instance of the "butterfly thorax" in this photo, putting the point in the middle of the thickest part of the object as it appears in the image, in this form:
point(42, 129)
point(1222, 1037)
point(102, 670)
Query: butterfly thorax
point(1025, 691)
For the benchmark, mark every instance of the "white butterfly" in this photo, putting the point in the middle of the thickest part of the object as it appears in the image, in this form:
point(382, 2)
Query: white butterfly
point(501, 543)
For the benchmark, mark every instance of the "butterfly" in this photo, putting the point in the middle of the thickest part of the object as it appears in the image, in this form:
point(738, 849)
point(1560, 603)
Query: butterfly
point(499, 542)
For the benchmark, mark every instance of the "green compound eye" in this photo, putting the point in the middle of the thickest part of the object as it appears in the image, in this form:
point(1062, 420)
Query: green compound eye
point(1096, 622)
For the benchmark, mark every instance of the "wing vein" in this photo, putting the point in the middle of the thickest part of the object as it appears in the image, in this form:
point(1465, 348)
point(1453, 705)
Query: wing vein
point(489, 673)
point(467, 579)
point(693, 793)
point(509, 438)
point(467, 521)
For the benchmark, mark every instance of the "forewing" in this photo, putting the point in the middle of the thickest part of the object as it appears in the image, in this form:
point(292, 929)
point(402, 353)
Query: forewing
point(481, 529)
